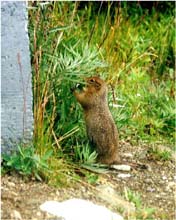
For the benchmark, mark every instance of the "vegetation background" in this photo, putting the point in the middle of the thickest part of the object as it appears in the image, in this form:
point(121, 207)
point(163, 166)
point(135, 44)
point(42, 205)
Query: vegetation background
point(131, 45)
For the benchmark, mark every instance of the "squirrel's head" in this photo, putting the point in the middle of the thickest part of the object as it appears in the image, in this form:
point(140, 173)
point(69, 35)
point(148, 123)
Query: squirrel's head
point(95, 84)
point(94, 92)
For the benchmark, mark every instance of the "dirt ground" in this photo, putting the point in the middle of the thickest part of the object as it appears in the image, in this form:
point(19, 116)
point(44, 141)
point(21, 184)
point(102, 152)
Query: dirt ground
point(20, 199)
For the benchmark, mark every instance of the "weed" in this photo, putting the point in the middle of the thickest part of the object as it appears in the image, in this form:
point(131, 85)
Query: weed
point(91, 178)
point(26, 162)
point(133, 197)
point(141, 212)
point(84, 154)
point(159, 154)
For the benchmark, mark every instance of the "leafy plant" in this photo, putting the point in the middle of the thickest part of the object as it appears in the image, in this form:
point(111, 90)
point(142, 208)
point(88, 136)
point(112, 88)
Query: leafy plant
point(159, 154)
point(133, 197)
point(84, 154)
point(141, 212)
point(27, 162)
point(91, 178)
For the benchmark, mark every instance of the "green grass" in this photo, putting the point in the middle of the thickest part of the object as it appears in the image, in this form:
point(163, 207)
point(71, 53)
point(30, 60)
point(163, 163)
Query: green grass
point(141, 212)
point(157, 153)
point(133, 51)
point(134, 54)
point(26, 162)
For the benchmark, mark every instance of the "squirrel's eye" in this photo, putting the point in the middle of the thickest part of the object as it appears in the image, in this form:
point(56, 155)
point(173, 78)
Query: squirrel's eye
point(92, 80)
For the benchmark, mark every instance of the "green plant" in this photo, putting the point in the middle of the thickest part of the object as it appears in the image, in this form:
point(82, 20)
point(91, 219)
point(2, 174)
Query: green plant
point(159, 154)
point(141, 212)
point(27, 162)
point(133, 197)
point(84, 154)
point(91, 178)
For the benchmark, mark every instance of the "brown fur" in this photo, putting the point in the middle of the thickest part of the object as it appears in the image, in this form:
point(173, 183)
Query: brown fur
point(101, 128)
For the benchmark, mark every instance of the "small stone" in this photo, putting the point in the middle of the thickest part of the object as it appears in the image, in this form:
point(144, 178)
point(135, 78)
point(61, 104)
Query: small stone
point(157, 196)
point(171, 186)
point(124, 175)
point(14, 193)
point(121, 167)
point(57, 193)
point(164, 177)
point(128, 155)
point(148, 167)
point(16, 215)
point(149, 189)
point(38, 213)
point(10, 184)
point(149, 181)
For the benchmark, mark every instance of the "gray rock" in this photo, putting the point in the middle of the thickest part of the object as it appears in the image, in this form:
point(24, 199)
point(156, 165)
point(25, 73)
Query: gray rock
point(123, 175)
point(16, 86)
point(121, 167)
point(79, 209)
point(16, 215)
point(128, 155)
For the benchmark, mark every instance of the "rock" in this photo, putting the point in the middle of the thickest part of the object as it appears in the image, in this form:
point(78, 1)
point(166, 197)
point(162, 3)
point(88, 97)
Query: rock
point(10, 184)
point(79, 209)
point(128, 155)
point(157, 196)
point(110, 196)
point(170, 186)
point(150, 189)
point(148, 181)
point(38, 214)
point(121, 167)
point(123, 175)
point(149, 168)
point(16, 215)
point(164, 177)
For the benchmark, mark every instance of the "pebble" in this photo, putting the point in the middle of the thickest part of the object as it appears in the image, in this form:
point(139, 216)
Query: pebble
point(14, 193)
point(157, 196)
point(128, 155)
point(11, 184)
point(149, 181)
point(38, 213)
point(121, 167)
point(170, 186)
point(16, 215)
point(164, 177)
point(149, 167)
point(124, 175)
point(57, 193)
point(149, 189)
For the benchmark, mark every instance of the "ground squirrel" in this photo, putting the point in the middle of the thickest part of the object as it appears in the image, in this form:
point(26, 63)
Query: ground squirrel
point(101, 128)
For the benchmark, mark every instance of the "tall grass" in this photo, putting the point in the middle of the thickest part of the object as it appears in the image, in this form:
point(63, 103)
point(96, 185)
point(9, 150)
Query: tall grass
point(135, 54)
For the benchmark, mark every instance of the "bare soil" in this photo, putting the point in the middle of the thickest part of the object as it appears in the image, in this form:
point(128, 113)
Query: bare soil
point(156, 183)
